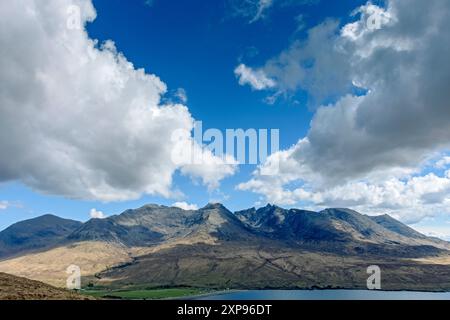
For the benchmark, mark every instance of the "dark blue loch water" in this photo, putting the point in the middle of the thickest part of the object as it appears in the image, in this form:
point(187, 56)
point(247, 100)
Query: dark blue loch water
point(327, 295)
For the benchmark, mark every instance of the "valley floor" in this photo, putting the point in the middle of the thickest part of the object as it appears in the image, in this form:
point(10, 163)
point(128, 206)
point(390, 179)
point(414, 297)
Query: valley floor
point(149, 294)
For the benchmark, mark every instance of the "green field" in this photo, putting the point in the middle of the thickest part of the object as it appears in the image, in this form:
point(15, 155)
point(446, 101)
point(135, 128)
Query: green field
point(144, 294)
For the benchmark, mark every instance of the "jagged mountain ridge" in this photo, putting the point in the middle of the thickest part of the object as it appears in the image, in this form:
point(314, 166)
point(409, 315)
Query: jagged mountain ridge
point(332, 225)
point(269, 247)
point(154, 224)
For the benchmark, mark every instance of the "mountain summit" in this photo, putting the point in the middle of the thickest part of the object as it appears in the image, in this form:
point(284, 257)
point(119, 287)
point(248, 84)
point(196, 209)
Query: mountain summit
point(268, 247)
point(35, 234)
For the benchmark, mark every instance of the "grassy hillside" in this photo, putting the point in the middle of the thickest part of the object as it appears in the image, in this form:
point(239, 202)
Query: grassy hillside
point(17, 288)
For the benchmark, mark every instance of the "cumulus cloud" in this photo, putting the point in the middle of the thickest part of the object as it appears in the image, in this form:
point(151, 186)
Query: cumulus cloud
point(368, 150)
point(443, 163)
point(77, 119)
point(95, 214)
point(257, 79)
point(409, 198)
point(185, 206)
point(315, 66)
point(212, 170)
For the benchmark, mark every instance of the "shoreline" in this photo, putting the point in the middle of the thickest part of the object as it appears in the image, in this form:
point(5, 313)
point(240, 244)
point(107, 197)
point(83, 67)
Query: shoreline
point(213, 293)
point(306, 291)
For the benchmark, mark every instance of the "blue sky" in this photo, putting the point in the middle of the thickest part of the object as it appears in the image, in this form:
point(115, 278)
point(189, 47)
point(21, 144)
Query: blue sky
point(197, 45)
point(193, 45)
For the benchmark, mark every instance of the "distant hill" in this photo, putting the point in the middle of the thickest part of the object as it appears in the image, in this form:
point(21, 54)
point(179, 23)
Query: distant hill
point(17, 288)
point(269, 247)
point(34, 234)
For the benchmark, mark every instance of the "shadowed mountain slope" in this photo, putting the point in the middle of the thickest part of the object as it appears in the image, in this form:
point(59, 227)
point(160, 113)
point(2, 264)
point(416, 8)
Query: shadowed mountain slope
point(269, 247)
point(153, 224)
point(333, 225)
point(35, 234)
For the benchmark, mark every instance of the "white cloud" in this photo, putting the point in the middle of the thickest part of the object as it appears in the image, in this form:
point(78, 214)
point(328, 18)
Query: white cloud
point(4, 205)
point(95, 214)
point(257, 10)
point(443, 163)
point(253, 10)
point(212, 168)
point(256, 79)
point(314, 66)
point(185, 206)
point(181, 95)
point(370, 151)
point(373, 18)
point(261, 7)
point(78, 119)
point(442, 232)
point(409, 198)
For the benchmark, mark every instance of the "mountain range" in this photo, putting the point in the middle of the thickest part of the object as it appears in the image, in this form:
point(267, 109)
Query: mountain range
point(269, 247)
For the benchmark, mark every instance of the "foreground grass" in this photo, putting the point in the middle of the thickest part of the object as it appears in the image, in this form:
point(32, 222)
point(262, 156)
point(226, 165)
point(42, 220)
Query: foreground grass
point(144, 294)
